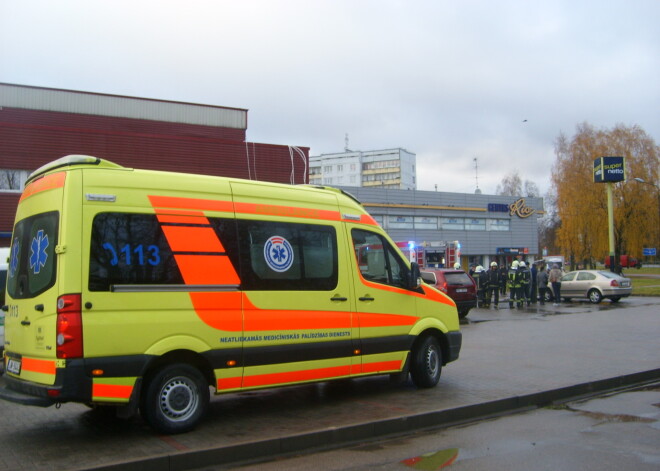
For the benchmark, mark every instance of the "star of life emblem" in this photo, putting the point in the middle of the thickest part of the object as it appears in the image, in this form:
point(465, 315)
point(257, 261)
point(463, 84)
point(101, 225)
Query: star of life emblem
point(38, 255)
point(278, 254)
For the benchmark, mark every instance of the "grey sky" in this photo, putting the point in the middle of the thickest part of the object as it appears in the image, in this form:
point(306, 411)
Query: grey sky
point(447, 80)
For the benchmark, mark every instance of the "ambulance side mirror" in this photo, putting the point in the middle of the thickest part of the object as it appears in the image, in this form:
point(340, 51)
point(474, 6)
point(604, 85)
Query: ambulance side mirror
point(415, 280)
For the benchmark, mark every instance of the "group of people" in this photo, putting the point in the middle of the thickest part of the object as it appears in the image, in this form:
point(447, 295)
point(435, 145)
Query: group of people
point(526, 285)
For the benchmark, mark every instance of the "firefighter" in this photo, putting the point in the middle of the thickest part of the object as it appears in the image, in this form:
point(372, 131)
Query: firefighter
point(503, 278)
point(480, 280)
point(514, 284)
point(526, 281)
point(492, 285)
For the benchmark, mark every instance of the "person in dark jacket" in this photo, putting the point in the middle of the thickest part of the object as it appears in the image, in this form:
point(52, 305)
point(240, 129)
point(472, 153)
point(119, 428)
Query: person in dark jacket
point(542, 279)
point(525, 280)
point(479, 277)
point(532, 288)
point(503, 278)
point(492, 278)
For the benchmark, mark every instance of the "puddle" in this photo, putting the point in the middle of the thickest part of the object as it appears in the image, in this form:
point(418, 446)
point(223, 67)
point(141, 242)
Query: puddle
point(433, 461)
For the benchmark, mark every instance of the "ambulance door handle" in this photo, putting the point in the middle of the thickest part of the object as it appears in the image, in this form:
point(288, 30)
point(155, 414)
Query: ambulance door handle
point(367, 298)
point(338, 298)
point(39, 307)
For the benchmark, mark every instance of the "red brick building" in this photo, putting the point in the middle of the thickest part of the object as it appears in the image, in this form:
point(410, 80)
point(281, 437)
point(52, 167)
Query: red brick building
point(38, 125)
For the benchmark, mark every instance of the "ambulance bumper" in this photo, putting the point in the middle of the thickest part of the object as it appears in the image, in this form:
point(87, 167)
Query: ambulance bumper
point(34, 394)
point(454, 340)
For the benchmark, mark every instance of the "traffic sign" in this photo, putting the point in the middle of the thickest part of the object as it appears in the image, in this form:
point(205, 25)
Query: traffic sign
point(650, 252)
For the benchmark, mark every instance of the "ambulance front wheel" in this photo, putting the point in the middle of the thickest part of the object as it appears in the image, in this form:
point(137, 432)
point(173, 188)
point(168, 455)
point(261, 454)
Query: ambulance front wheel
point(426, 364)
point(176, 398)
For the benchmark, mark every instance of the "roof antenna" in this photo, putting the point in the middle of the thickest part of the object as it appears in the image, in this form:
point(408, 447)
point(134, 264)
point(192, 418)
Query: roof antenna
point(346, 149)
point(476, 175)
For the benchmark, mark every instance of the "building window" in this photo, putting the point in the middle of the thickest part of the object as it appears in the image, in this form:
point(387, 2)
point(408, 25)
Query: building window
point(381, 164)
point(353, 167)
point(455, 224)
point(399, 222)
point(475, 224)
point(327, 169)
point(497, 224)
point(352, 179)
point(340, 168)
point(426, 223)
point(13, 180)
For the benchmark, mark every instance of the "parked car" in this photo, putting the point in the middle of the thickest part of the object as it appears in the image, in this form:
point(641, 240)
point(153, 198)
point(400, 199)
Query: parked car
point(595, 285)
point(457, 284)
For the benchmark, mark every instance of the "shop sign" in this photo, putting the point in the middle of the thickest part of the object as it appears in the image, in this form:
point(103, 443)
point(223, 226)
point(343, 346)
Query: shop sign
point(512, 251)
point(609, 169)
point(518, 208)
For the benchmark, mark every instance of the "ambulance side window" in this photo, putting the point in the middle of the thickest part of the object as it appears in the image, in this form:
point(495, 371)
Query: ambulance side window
point(130, 249)
point(378, 260)
point(286, 256)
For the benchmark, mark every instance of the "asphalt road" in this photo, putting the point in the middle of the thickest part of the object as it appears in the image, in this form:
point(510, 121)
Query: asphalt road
point(617, 431)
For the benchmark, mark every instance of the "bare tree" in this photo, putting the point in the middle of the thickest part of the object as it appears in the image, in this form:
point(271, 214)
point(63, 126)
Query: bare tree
point(513, 185)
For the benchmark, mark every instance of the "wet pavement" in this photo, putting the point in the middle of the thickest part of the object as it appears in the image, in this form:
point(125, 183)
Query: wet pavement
point(511, 359)
point(615, 431)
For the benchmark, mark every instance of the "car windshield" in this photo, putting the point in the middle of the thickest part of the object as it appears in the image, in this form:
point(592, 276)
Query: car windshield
point(458, 279)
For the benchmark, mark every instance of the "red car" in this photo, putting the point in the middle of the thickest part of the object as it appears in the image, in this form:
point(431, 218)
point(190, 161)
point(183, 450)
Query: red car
point(456, 284)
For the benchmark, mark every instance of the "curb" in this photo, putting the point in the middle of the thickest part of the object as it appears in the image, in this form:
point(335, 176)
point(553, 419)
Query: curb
point(341, 436)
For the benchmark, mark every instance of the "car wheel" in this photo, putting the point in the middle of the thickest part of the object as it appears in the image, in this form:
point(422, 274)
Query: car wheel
point(176, 398)
point(594, 296)
point(615, 299)
point(462, 314)
point(426, 362)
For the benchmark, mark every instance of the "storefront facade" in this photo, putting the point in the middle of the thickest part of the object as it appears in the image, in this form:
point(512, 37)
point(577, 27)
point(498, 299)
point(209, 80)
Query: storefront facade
point(484, 228)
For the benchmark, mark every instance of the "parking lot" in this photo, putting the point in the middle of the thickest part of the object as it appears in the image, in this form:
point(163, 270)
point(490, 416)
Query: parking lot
point(510, 359)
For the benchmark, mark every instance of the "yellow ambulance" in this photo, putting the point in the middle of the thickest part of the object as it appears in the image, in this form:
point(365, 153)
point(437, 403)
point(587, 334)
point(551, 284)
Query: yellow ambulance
point(142, 290)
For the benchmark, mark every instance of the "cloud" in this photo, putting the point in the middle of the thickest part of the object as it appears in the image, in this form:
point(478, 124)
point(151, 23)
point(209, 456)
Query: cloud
point(449, 81)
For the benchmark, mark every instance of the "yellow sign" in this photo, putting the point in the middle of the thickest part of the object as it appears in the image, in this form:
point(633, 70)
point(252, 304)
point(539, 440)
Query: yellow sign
point(520, 209)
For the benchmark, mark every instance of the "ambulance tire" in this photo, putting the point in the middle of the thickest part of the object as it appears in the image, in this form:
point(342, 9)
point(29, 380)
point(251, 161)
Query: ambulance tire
point(176, 399)
point(426, 365)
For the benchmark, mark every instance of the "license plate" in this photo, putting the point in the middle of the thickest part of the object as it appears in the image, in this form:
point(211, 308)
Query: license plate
point(625, 284)
point(14, 366)
point(461, 290)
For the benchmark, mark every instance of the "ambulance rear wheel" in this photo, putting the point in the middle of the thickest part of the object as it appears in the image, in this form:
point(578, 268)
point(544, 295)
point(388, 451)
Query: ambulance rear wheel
point(176, 399)
point(426, 364)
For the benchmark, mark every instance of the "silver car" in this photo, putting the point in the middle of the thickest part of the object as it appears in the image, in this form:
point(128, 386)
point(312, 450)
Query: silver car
point(595, 285)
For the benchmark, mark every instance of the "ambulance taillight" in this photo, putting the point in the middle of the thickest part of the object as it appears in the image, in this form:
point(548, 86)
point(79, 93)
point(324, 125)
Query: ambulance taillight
point(69, 326)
